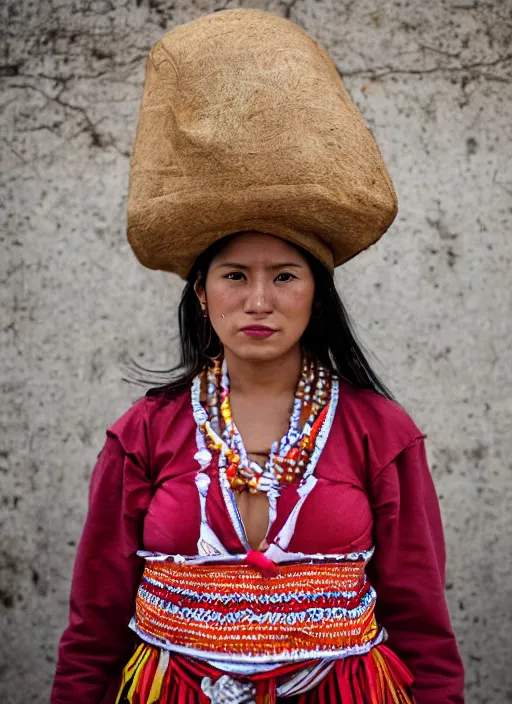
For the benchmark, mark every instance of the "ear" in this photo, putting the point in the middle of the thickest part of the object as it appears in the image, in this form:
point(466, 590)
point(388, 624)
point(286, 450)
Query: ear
point(199, 288)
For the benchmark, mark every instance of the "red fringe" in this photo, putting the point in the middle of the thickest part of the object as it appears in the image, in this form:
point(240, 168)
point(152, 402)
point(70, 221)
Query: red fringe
point(379, 677)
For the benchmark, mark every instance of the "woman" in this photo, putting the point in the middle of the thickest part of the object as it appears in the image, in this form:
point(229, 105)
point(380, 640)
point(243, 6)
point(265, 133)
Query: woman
point(264, 527)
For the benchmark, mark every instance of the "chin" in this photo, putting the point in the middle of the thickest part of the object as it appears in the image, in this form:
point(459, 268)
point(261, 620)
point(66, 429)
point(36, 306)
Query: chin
point(258, 351)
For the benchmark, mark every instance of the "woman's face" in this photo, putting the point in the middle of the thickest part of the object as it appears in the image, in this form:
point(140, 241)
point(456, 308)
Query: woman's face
point(259, 294)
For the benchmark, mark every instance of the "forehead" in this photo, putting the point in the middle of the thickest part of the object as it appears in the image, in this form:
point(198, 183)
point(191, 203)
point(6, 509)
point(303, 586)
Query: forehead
point(258, 247)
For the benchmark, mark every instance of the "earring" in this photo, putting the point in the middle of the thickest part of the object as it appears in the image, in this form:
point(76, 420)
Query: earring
point(204, 308)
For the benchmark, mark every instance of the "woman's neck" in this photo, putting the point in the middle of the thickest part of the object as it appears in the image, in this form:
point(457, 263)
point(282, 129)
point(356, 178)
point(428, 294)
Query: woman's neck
point(268, 378)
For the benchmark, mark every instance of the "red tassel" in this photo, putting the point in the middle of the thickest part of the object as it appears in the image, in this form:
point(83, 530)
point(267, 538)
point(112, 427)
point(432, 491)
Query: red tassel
point(146, 679)
point(262, 562)
point(265, 692)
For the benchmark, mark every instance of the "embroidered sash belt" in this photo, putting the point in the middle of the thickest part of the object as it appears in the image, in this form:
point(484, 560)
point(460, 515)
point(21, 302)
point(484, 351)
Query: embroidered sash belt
point(234, 612)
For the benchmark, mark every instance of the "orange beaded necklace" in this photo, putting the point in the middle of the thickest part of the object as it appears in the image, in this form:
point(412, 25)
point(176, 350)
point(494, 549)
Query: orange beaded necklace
point(289, 457)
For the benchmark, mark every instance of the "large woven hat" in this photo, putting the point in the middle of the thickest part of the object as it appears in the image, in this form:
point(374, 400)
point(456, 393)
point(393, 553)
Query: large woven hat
point(245, 125)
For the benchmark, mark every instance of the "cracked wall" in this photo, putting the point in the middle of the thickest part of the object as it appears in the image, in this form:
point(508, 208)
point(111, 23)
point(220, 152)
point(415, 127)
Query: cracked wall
point(432, 299)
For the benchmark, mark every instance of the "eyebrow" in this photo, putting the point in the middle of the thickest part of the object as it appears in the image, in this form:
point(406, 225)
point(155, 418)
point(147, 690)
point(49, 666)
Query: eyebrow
point(281, 265)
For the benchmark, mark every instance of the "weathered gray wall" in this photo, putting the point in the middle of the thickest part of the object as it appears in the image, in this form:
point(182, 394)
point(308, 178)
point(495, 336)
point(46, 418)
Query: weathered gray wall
point(432, 299)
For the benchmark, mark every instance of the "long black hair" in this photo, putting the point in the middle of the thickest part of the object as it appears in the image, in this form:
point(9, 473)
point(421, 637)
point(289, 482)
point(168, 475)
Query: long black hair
point(329, 336)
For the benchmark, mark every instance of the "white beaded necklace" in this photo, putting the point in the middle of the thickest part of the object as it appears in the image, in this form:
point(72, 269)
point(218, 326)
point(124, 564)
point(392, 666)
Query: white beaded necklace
point(288, 457)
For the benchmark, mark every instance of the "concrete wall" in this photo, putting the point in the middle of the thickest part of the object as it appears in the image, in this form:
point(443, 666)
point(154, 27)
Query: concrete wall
point(432, 299)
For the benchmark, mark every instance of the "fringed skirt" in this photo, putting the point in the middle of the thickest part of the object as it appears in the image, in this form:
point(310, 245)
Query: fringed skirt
point(156, 676)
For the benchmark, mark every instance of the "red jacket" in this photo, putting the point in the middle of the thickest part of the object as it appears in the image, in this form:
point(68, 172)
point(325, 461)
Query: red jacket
point(374, 488)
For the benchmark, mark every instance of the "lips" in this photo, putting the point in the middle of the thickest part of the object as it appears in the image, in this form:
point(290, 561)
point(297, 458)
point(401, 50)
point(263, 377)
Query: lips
point(258, 331)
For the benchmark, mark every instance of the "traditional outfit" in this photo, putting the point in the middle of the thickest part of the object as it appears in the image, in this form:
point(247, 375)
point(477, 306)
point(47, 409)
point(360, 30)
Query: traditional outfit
point(245, 125)
point(373, 491)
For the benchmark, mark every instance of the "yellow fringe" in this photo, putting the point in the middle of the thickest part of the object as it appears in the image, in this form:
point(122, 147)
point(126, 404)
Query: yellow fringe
point(399, 696)
point(138, 675)
point(134, 669)
point(156, 685)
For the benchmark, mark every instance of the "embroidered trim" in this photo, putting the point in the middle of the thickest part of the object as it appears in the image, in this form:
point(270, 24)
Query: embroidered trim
point(305, 611)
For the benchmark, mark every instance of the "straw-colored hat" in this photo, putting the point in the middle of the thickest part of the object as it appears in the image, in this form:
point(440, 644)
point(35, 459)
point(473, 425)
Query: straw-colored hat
point(245, 125)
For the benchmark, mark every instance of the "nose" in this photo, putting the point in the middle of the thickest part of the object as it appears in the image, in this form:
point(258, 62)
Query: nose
point(258, 299)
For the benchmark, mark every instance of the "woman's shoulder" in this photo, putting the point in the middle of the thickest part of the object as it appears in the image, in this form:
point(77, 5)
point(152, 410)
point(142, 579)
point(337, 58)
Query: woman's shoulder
point(378, 424)
point(148, 415)
point(374, 409)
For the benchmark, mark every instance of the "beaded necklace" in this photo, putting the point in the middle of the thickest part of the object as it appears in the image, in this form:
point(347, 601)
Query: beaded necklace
point(289, 457)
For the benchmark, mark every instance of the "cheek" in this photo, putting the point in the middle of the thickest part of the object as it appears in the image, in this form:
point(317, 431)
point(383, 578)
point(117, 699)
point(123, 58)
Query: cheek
point(297, 300)
point(222, 297)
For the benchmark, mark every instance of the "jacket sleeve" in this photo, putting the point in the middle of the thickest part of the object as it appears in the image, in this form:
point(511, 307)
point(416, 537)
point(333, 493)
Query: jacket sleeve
point(97, 641)
point(408, 573)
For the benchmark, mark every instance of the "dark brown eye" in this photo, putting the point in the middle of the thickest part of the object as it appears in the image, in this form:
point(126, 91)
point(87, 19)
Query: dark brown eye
point(234, 276)
point(285, 274)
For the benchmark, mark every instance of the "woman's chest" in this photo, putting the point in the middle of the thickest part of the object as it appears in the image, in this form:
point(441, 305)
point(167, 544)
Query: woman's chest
point(335, 517)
